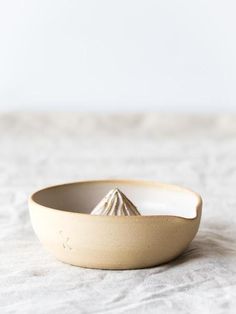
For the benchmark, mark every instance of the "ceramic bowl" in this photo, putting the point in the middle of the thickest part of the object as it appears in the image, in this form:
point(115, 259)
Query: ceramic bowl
point(170, 220)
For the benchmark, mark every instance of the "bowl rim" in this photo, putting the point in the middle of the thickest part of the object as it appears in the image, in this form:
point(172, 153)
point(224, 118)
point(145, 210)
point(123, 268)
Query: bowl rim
point(167, 186)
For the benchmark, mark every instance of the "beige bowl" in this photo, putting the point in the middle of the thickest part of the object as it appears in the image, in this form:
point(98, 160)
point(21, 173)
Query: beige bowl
point(61, 220)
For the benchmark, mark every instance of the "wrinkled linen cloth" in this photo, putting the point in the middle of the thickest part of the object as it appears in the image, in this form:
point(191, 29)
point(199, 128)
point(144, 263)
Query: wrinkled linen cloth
point(40, 149)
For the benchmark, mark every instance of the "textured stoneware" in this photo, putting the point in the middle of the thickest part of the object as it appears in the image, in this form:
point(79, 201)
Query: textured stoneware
point(115, 203)
point(61, 220)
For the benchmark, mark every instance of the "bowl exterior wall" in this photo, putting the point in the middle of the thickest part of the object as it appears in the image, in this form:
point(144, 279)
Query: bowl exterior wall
point(112, 242)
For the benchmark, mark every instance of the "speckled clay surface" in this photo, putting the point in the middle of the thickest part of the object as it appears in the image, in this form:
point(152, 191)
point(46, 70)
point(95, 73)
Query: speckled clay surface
point(61, 220)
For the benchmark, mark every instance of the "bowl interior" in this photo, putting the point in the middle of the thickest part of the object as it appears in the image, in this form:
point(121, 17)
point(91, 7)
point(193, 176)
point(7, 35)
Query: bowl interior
point(151, 198)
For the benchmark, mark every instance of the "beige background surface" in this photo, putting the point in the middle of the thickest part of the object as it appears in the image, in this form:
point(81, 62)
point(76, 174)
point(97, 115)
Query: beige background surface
point(194, 151)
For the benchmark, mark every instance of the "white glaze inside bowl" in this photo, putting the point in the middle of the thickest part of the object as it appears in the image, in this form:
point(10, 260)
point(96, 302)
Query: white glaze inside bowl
point(150, 198)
